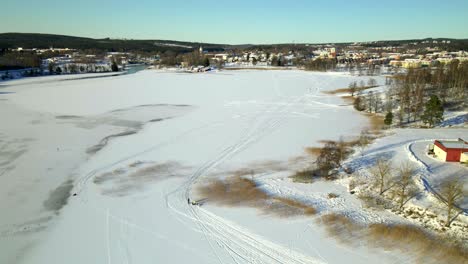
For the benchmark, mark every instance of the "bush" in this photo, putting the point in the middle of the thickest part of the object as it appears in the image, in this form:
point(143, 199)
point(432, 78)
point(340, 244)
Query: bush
point(427, 247)
point(304, 176)
point(388, 119)
point(358, 104)
point(374, 201)
point(330, 158)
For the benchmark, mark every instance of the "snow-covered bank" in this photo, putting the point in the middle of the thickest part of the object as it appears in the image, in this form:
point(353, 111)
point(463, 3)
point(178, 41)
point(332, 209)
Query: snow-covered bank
point(54, 78)
point(131, 194)
point(401, 146)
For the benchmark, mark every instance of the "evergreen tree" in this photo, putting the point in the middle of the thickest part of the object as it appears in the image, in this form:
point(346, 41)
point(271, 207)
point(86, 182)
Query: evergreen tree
point(388, 119)
point(254, 61)
point(274, 61)
point(433, 112)
point(51, 67)
point(114, 66)
point(206, 62)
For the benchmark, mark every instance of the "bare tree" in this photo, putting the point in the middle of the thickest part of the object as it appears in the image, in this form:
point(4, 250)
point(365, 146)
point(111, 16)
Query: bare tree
point(342, 151)
point(352, 87)
point(362, 84)
point(405, 186)
point(328, 159)
point(371, 82)
point(73, 68)
point(370, 101)
point(382, 175)
point(377, 102)
point(452, 192)
point(363, 140)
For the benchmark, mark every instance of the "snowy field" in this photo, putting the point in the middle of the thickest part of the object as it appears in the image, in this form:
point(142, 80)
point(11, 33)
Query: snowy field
point(99, 170)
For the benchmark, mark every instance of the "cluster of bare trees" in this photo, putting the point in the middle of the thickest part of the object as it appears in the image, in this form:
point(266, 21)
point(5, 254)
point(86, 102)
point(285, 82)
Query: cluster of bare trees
point(411, 92)
point(372, 102)
point(398, 184)
point(320, 64)
point(361, 67)
point(331, 157)
point(19, 60)
point(195, 58)
point(411, 96)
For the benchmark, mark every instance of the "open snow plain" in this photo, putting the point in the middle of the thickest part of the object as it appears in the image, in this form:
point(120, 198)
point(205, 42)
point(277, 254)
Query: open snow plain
point(100, 170)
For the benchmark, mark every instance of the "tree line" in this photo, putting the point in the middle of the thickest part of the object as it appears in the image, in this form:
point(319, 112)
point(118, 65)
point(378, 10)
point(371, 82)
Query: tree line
point(19, 60)
point(194, 58)
point(419, 95)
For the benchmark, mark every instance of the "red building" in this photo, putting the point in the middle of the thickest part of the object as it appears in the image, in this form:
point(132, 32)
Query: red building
point(450, 150)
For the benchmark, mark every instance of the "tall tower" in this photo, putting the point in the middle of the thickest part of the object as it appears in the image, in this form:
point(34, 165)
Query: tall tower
point(201, 50)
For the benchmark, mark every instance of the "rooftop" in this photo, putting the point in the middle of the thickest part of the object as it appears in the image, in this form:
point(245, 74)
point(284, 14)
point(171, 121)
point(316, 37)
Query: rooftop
point(459, 144)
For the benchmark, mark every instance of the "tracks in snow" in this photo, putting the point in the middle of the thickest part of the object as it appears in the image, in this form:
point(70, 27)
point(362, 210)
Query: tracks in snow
point(244, 246)
point(425, 169)
point(240, 244)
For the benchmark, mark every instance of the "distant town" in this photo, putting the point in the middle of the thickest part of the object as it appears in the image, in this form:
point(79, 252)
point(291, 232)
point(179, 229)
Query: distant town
point(362, 58)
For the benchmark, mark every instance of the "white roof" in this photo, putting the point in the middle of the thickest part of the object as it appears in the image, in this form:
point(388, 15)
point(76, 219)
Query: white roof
point(454, 144)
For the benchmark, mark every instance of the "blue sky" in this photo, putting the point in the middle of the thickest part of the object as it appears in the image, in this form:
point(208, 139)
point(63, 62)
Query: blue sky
point(240, 21)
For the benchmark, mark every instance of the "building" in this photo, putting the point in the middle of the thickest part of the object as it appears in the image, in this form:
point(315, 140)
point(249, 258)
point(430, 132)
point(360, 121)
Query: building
point(464, 157)
point(411, 63)
point(451, 150)
point(395, 63)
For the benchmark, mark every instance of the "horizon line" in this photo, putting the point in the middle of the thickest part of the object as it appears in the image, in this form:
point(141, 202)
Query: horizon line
point(252, 44)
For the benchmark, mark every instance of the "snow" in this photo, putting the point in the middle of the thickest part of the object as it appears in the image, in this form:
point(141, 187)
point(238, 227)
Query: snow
point(55, 78)
point(160, 133)
point(402, 145)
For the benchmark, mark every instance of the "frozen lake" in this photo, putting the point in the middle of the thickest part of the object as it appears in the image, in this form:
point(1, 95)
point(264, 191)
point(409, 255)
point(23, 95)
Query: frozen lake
point(99, 170)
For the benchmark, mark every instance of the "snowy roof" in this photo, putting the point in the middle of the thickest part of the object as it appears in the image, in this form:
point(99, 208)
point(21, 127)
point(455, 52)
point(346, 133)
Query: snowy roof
point(459, 144)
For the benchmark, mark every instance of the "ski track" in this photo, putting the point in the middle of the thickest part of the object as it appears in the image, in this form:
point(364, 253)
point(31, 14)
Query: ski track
point(259, 249)
point(238, 238)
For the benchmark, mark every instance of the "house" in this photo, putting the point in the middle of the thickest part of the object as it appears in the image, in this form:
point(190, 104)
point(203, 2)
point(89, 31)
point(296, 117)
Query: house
point(395, 63)
point(464, 157)
point(451, 150)
point(411, 63)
